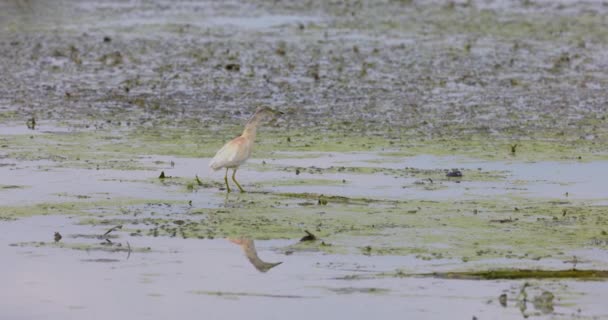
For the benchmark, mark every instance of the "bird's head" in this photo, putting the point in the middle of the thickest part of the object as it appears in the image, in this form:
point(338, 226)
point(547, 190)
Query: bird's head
point(266, 114)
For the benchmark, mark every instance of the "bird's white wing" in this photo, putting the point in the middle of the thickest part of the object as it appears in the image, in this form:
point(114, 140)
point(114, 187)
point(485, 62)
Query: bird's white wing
point(232, 154)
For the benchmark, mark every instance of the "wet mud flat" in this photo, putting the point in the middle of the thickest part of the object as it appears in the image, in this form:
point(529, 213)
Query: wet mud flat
point(436, 159)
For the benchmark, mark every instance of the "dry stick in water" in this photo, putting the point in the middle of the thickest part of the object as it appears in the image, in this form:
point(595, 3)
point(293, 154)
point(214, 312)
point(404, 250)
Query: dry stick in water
point(112, 229)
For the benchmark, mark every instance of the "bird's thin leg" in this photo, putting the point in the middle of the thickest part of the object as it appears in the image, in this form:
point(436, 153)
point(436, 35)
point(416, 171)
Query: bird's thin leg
point(226, 180)
point(234, 179)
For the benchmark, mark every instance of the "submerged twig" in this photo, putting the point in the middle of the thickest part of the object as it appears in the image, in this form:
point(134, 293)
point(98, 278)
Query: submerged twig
point(112, 229)
point(504, 220)
point(308, 237)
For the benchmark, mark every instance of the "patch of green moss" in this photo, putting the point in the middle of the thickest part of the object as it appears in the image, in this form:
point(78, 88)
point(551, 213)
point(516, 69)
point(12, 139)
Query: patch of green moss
point(120, 149)
point(534, 146)
point(80, 208)
point(87, 150)
point(466, 230)
point(9, 116)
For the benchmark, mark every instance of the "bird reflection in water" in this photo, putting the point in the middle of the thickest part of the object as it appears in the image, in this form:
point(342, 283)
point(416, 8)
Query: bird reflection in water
point(252, 255)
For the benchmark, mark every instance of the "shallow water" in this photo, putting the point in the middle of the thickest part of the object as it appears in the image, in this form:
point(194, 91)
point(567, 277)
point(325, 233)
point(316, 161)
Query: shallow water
point(557, 180)
point(188, 277)
point(581, 180)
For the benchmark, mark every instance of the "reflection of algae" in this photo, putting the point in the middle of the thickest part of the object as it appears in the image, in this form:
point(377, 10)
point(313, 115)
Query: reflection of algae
point(354, 290)
point(115, 247)
point(498, 274)
point(246, 294)
point(9, 187)
point(513, 274)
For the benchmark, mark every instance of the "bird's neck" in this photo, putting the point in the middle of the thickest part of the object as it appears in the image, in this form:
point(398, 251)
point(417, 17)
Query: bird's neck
point(251, 127)
point(250, 130)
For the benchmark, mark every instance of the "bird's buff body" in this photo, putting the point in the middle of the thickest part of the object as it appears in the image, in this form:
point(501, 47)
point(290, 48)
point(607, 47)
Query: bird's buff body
point(238, 150)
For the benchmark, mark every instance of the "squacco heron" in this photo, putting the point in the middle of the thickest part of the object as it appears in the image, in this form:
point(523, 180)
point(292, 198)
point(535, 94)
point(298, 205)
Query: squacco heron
point(237, 151)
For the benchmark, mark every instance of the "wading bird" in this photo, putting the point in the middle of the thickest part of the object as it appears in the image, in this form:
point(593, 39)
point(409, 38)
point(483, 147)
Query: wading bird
point(237, 151)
